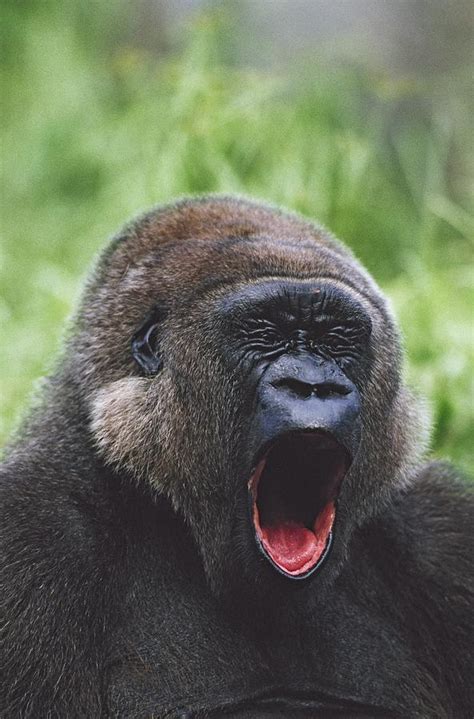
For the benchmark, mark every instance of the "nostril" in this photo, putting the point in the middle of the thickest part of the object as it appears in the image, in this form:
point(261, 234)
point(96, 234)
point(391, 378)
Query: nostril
point(295, 386)
point(330, 389)
point(323, 390)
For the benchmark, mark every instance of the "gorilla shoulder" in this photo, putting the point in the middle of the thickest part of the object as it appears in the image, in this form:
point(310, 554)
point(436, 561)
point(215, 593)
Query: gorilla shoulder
point(433, 520)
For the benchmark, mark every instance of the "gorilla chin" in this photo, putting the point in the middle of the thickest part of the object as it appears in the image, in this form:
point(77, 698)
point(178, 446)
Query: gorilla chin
point(293, 495)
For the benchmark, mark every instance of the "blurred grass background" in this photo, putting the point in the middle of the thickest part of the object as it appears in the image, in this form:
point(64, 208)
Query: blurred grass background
point(102, 119)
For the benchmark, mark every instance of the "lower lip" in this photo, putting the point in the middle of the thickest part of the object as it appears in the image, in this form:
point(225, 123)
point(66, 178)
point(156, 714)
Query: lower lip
point(304, 549)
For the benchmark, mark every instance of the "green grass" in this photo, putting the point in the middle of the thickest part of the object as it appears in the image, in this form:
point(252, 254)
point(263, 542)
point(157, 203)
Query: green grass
point(96, 129)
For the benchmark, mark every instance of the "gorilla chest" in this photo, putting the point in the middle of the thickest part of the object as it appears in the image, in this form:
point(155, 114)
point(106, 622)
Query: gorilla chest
point(181, 657)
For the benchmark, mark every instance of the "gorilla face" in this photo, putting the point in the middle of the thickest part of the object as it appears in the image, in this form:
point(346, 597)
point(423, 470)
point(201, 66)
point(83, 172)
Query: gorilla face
point(299, 347)
point(254, 381)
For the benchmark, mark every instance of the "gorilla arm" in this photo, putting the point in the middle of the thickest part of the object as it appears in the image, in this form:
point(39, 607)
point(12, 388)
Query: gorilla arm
point(56, 572)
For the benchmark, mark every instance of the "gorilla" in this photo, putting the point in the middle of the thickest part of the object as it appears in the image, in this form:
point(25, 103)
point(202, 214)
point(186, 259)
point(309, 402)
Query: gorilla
point(219, 506)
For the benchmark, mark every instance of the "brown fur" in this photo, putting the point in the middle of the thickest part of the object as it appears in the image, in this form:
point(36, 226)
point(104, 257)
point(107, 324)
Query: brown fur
point(166, 256)
point(134, 584)
point(185, 257)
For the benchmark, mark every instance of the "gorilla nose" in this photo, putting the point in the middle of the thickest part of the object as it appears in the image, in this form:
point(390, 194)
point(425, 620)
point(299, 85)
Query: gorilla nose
point(308, 393)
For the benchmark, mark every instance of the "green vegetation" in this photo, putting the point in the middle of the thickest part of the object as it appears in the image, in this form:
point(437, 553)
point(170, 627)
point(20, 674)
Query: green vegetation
point(97, 129)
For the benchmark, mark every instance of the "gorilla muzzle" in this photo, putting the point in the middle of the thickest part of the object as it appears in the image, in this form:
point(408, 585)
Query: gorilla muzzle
point(309, 430)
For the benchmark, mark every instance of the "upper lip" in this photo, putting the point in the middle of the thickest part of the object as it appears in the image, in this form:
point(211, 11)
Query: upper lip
point(322, 438)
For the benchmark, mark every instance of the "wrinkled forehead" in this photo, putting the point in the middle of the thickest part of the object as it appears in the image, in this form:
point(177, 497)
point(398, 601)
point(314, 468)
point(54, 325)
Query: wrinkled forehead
point(187, 270)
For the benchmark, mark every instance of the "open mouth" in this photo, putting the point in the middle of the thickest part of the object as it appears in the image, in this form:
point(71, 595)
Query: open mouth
point(293, 493)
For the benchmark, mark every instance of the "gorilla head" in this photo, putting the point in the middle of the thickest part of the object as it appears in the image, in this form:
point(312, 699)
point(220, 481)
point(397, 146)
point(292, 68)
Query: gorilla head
point(240, 362)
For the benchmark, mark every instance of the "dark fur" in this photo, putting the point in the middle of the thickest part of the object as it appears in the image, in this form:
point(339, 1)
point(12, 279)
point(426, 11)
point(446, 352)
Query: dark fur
point(129, 588)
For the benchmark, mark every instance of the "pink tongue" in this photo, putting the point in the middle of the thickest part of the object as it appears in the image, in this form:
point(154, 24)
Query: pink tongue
point(290, 545)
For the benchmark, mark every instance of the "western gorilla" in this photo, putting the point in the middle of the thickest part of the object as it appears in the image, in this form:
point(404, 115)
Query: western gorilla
point(220, 507)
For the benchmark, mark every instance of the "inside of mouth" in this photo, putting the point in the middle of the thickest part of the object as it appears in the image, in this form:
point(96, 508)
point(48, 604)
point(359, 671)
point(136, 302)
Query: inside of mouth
point(294, 489)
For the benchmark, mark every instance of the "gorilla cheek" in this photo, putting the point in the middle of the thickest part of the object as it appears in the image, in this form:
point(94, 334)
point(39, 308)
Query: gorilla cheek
point(125, 423)
point(117, 417)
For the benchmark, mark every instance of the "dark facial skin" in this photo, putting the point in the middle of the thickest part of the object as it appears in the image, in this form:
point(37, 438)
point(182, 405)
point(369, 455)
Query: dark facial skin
point(300, 347)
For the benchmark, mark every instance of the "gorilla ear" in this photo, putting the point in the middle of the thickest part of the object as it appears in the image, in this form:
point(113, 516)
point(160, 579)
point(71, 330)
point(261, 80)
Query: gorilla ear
point(145, 346)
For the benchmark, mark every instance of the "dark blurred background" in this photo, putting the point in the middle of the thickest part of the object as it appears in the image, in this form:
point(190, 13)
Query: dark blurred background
point(354, 112)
